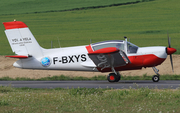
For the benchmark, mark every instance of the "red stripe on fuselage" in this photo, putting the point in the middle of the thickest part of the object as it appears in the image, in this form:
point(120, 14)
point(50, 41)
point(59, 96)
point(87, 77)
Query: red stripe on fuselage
point(137, 62)
point(152, 60)
point(89, 49)
point(14, 25)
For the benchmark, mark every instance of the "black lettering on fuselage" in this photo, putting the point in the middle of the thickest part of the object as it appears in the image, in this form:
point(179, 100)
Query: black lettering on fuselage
point(70, 59)
point(77, 57)
point(64, 59)
point(83, 58)
point(54, 59)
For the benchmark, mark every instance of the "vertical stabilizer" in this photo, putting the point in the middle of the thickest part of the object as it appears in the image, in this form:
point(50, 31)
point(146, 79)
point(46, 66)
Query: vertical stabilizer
point(21, 39)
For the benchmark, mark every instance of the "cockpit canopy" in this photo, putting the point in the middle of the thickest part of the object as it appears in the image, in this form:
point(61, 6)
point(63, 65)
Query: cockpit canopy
point(131, 48)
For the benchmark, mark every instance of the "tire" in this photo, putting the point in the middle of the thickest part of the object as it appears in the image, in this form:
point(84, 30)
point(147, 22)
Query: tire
point(155, 78)
point(112, 77)
point(118, 77)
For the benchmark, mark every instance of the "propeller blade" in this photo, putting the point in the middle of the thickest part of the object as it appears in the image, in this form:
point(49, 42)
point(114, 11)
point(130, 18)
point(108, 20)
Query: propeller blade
point(169, 43)
point(171, 63)
point(169, 40)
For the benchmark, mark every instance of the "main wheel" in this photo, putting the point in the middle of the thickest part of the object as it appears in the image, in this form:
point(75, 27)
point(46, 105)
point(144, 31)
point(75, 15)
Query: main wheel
point(118, 77)
point(155, 78)
point(112, 77)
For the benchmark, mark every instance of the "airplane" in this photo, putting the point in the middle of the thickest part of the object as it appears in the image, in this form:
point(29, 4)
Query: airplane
point(106, 56)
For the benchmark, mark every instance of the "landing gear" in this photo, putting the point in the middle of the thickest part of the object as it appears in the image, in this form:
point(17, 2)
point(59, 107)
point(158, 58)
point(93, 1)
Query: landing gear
point(155, 78)
point(112, 77)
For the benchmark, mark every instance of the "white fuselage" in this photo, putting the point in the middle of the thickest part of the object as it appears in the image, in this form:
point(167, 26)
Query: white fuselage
point(77, 59)
point(69, 58)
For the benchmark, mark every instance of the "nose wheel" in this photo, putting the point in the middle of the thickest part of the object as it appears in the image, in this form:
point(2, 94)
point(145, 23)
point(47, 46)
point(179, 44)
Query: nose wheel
point(112, 77)
point(155, 78)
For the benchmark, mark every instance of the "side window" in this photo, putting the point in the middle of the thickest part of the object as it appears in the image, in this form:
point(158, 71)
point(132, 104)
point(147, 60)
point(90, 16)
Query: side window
point(117, 45)
point(120, 46)
point(100, 46)
point(131, 48)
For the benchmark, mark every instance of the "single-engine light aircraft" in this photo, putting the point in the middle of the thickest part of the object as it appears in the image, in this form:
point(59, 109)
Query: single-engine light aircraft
point(107, 56)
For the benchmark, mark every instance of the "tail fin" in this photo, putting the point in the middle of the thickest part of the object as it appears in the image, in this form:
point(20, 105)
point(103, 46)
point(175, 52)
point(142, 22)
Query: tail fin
point(21, 39)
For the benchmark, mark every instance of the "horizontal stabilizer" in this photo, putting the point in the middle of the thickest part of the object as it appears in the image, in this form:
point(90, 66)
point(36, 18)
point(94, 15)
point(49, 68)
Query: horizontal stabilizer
point(18, 56)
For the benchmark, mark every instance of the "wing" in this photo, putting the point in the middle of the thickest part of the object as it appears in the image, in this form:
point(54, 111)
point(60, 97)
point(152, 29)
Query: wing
point(109, 58)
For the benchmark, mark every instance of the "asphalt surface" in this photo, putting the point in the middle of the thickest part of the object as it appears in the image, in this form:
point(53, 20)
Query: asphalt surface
point(123, 84)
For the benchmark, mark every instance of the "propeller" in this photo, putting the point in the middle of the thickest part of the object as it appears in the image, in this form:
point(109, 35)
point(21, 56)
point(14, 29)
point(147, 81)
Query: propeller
point(170, 51)
point(169, 43)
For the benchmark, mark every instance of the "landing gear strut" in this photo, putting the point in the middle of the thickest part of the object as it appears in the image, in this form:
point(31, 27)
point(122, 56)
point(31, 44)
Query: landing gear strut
point(114, 77)
point(155, 78)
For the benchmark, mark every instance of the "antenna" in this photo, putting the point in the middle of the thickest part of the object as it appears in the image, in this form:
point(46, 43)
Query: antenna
point(51, 44)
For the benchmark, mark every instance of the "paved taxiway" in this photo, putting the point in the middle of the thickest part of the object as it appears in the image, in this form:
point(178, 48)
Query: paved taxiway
point(172, 84)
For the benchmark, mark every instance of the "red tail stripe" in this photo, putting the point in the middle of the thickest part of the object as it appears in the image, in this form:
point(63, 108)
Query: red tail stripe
point(14, 25)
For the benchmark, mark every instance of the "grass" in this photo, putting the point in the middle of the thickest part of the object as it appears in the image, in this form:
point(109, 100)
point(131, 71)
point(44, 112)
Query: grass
point(100, 77)
point(88, 100)
point(145, 23)
point(43, 6)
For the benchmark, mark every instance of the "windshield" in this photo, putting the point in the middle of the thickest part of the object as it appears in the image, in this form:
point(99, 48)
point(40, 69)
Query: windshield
point(131, 48)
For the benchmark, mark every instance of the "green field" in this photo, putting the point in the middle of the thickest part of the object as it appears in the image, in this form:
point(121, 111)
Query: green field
point(42, 6)
point(145, 23)
point(84, 100)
